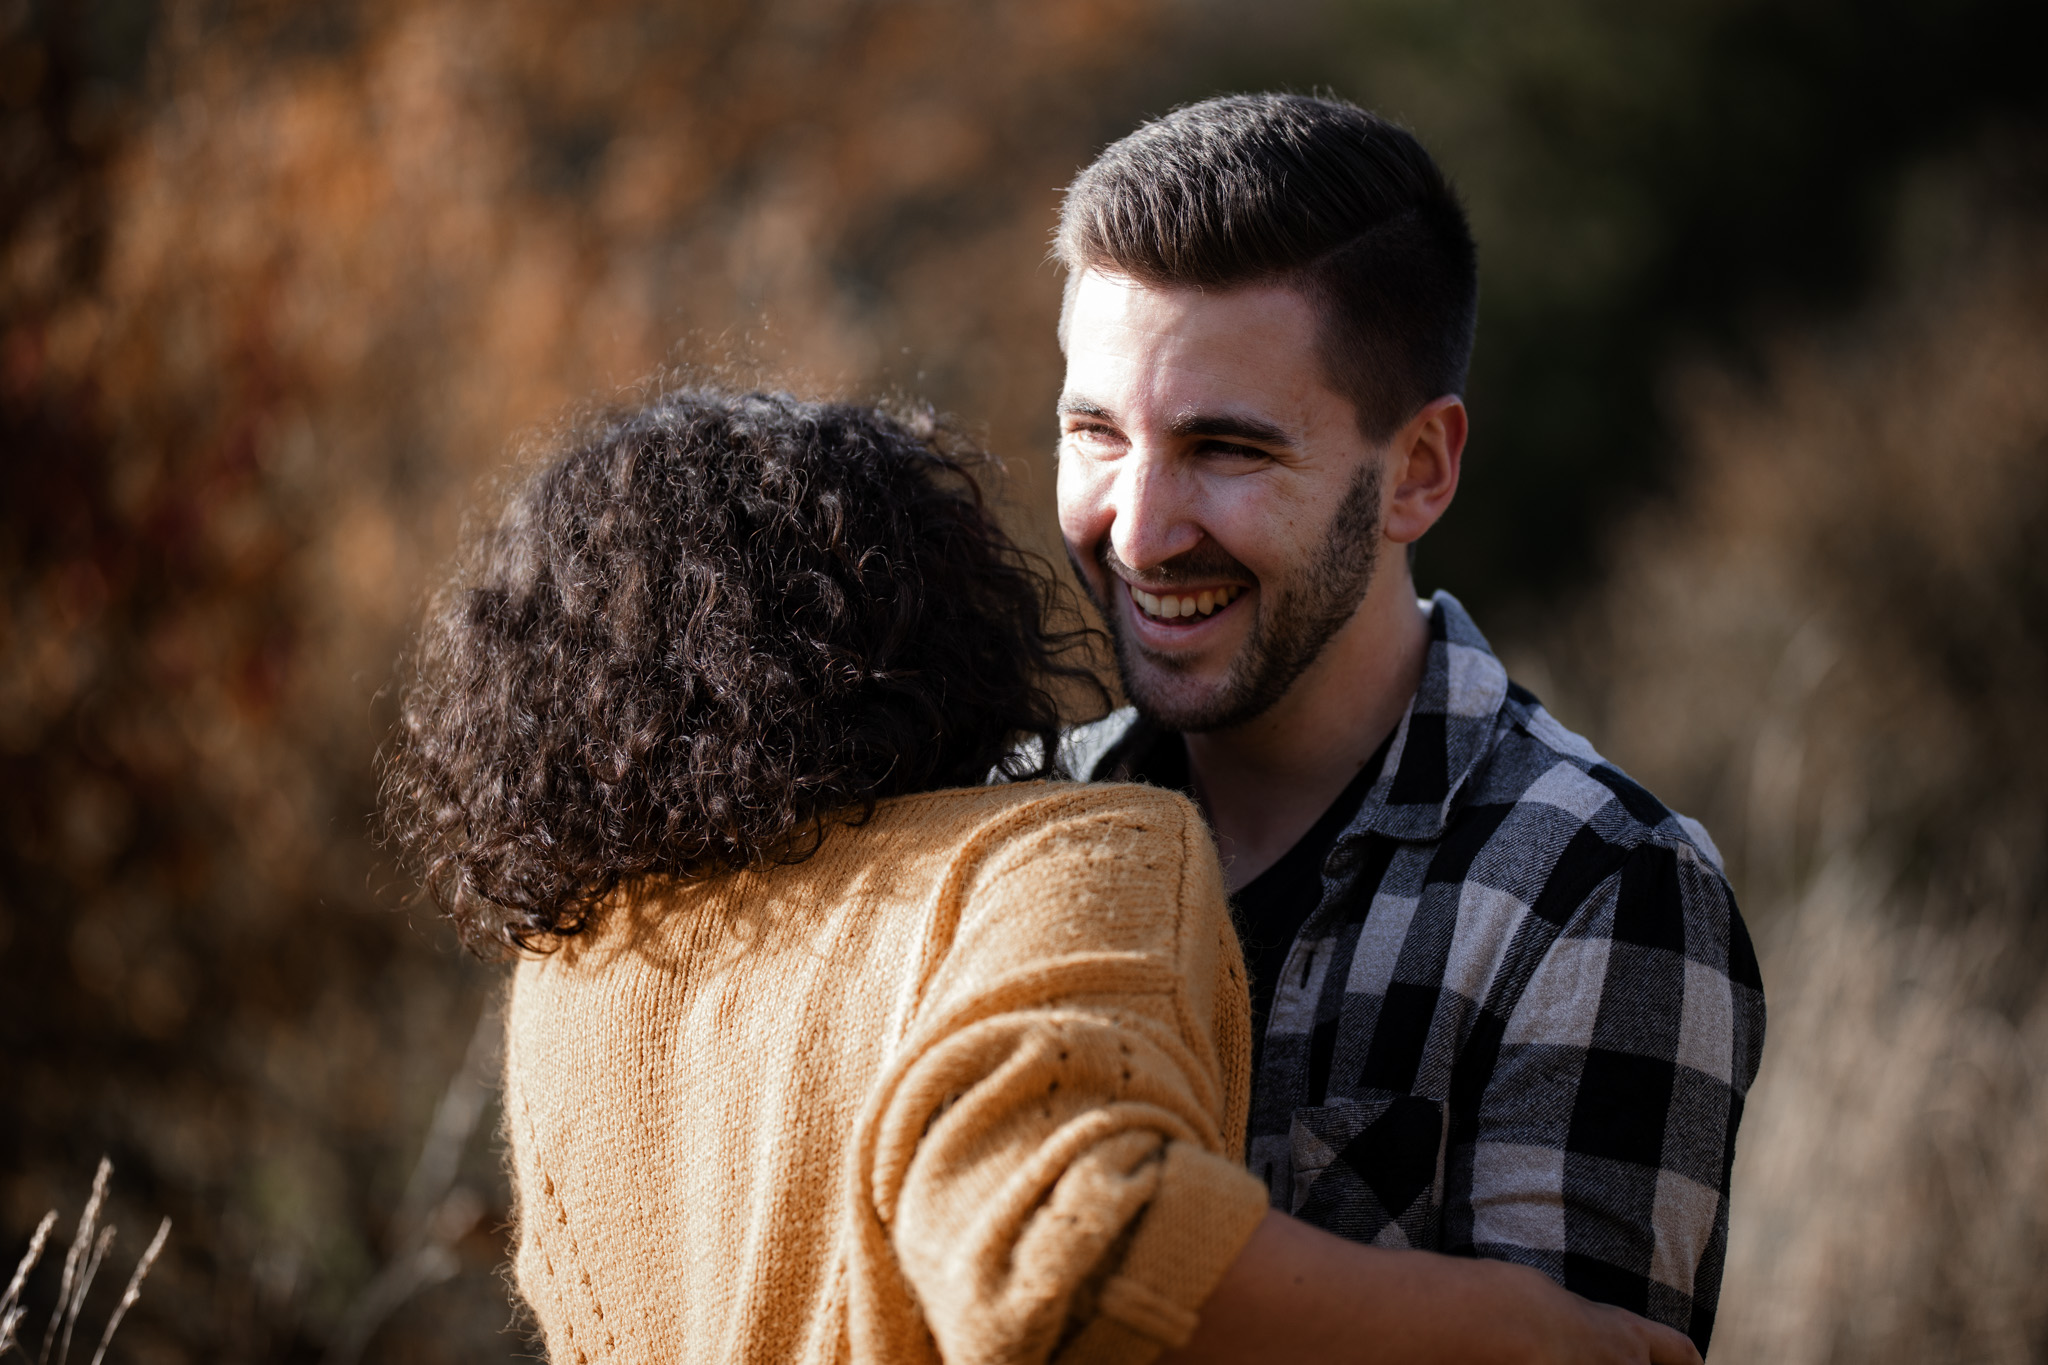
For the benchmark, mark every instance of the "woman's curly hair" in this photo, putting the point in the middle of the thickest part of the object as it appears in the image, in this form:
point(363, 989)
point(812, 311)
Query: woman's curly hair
point(706, 632)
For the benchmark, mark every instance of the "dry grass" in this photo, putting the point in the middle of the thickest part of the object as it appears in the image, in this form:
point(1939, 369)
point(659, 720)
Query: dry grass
point(1833, 645)
point(88, 1249)
point(1892, 1188)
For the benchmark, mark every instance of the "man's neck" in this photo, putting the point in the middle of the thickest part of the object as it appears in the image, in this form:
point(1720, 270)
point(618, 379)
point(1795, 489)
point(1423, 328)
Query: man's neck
point(1264, 783)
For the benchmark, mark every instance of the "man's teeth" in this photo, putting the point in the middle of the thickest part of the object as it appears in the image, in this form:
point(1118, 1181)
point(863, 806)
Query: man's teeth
point(1167, 606)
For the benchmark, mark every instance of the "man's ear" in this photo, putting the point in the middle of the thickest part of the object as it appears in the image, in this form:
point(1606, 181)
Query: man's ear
point(1422, 464)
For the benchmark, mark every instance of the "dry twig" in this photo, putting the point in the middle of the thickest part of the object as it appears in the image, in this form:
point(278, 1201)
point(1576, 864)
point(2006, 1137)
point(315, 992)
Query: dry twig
point(81, 1267)
point(11, 1311)
point(84, 1287)
point(74, 1259)
point(134, 1289)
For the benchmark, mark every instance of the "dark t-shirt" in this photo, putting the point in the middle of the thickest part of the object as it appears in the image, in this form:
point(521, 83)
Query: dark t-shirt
point(1271, 908)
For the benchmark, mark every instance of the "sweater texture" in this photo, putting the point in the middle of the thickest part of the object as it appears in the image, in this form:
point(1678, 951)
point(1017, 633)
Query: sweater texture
point(967, 1085)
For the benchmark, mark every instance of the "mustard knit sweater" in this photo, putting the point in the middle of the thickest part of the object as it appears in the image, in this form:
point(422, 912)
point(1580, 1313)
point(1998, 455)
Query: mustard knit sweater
point(968, 1085)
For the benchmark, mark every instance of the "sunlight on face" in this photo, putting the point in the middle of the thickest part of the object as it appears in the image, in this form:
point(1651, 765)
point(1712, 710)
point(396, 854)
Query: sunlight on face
point(1215, 493)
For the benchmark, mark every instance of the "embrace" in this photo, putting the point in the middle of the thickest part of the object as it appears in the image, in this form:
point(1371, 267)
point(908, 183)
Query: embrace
point(1329, 1001)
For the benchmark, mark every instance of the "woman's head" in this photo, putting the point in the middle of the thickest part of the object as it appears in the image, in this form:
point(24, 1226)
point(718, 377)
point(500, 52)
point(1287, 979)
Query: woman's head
point(697, 636)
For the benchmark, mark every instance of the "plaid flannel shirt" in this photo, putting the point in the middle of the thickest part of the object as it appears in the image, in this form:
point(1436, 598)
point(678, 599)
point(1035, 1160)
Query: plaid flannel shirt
point(1522, 1018)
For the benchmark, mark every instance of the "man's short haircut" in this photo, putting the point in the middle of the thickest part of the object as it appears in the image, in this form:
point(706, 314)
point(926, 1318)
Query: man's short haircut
point(1315, 194)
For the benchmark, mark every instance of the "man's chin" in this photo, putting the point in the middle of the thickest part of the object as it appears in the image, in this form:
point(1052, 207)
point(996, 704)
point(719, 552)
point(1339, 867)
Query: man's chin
point(1181, 701)
point(1187, 692)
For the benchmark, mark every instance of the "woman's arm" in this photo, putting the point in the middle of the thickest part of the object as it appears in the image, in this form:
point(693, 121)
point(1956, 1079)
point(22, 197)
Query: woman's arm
point(1049, 1167)
point(1298, 1293)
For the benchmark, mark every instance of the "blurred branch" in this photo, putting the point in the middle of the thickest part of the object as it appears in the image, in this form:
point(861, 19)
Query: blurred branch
point(435, 1213)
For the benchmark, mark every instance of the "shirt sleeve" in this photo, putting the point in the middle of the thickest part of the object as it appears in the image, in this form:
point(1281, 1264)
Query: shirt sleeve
point(1053, 1163)
point(1598, 1137)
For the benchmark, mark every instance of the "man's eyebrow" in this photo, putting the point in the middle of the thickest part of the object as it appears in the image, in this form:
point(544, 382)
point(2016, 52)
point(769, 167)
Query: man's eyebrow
point(1229, 427)
point(1082, 407)
point(1213, 424)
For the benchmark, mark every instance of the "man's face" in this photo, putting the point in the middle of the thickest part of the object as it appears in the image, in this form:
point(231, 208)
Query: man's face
point(1215, 493)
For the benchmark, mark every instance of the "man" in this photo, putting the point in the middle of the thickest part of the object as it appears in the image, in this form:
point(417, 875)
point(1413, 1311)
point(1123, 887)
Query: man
point(1504, 1004)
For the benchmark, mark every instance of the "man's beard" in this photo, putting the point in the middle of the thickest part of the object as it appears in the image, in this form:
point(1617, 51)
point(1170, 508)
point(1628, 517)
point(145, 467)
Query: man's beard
point(1294, 620)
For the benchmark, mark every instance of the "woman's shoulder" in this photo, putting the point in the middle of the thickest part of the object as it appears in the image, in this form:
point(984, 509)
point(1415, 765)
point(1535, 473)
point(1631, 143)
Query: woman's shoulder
point(968, 828)
point(1093, 837)
point(1121, 809)
point(1070, 866)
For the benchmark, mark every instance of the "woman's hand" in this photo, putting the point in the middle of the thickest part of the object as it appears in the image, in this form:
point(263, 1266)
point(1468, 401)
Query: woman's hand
point(1297, 1292)
point(1534, 1322)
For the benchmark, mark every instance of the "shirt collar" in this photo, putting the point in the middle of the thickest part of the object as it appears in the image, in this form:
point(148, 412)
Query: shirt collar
point(1445, 734)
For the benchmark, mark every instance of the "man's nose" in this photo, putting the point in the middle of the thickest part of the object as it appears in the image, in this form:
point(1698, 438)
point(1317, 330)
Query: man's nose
point(1153, 513)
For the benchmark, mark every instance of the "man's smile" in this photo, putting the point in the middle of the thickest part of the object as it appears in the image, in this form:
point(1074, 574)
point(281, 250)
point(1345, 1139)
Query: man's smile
point(1183, 604)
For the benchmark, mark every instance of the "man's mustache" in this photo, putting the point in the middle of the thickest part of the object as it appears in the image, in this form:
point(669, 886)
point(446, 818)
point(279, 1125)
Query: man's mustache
point(1207, 565)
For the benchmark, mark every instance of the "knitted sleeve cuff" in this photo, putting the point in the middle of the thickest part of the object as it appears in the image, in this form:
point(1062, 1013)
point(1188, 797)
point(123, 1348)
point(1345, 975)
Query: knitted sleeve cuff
point(1199, 1218)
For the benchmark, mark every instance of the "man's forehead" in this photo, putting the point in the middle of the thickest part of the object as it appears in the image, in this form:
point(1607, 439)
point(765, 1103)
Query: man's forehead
point(1108, 301)
point(1202, 362)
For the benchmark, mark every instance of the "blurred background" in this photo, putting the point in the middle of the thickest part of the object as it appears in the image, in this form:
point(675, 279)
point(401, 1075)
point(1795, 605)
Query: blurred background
point(1757, 498)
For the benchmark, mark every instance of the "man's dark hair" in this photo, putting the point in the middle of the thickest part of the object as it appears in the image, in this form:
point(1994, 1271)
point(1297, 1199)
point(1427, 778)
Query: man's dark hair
point(701, 635)
point(1316, 194)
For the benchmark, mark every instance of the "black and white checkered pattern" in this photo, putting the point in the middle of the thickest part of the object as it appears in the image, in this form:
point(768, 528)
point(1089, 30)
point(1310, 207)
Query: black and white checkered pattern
point(1521, 1021)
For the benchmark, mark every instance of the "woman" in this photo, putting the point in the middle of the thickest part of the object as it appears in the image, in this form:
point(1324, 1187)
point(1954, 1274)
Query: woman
point(821, 1048)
